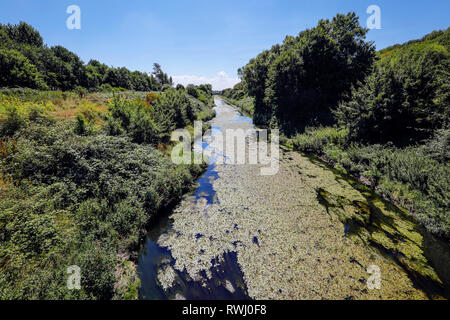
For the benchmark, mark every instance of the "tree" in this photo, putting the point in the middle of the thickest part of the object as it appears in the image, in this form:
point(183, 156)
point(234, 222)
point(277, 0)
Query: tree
point(25, 34)
point(192, 90)
point(18, 71)
point(161, 77)
point(297, 83)
point(58, 68)
point(406, 98)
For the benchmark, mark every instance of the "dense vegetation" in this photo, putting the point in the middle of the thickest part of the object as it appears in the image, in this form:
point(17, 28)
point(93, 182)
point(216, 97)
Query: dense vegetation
point(239, 97)
point(26, 62)
point(407, 96)
point(297, 83)
point(83, 173)
point(381, 116)
point(82, 191)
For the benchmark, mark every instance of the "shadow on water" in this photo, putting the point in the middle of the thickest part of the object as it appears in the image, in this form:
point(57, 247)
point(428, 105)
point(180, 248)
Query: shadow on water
point(398, 236)
point(226, 281)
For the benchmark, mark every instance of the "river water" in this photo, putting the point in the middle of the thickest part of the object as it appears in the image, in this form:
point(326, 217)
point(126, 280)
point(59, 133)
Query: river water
point(243, 235)
point(156, 263)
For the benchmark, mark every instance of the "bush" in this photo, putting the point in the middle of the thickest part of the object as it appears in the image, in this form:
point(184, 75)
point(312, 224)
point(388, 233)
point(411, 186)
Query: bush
point(97, 266)
point(80, 125)
point(151, 98)
point(175, 105)
point(315, 139)
point(78, 200)
point(13, 122)
point(192, 90)
point(439, 146)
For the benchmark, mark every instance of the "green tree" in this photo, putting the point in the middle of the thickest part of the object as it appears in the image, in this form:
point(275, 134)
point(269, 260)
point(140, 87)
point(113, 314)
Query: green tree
point(407, 97)
point(17, 70)
point(297, 83)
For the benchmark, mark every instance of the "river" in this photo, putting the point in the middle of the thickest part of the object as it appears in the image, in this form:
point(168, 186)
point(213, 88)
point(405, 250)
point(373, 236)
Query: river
point(307, 232)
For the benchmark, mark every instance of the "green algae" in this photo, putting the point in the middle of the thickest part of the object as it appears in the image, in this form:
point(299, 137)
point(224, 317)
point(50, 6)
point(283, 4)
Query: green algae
point(302, 252)
point(393, 232)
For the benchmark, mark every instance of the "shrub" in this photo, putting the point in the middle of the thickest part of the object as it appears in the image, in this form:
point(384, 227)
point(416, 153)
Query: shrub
point(314, 139)
point(13, 122)
point(192, 90)
point(439, 146)
point(78, 200)
point(80, 125)
point(151, 98)
point(404, 100)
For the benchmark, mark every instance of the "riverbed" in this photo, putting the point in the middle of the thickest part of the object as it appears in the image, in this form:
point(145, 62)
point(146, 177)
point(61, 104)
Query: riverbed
point(243, 235)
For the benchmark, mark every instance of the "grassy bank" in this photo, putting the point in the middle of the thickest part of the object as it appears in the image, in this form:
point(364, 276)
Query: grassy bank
point(245, 105)
point(82, 189)
point(415, 177)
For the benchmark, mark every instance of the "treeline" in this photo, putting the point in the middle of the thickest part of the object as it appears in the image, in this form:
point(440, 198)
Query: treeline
point(381, 116)
point(296, 84)
point(406, 97)
point(329, 74)
point(238, 96)
point(25, 61)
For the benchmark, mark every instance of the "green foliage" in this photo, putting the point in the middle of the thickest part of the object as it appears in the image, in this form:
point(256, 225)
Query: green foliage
point(297, 83)
point(23, 33)
point(405, 99)
point(73, 192)
point(98, 278)
point(162, 79)
point(177, 107)
point(153, 121)
point(239, 97)
point(81, 126)
point(26, 62)
point(236, 93)
point(13, 122)
point(439, 146)
point(77, 200)
point(315, 139)
point(134, 118)
point(192, 90)
point(400, 98)
point(18, 71)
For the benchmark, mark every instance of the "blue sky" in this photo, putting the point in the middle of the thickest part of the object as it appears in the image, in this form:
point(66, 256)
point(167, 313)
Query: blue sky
point(207, 40)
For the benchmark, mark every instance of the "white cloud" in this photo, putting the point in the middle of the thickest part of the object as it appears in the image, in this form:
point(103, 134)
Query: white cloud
point(219, 82)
